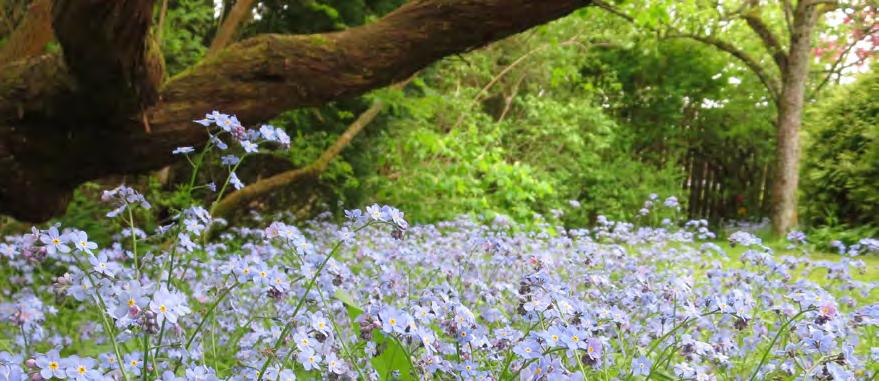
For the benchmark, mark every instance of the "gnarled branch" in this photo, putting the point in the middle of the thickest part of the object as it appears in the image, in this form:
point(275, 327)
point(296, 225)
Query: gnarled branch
point(108, 52)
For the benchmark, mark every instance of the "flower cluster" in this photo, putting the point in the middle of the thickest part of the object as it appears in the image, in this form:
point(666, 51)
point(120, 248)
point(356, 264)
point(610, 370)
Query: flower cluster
point(221, 126)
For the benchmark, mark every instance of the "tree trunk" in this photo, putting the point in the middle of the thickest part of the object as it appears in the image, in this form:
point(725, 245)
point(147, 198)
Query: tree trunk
point(790, 113)
point(103, 108)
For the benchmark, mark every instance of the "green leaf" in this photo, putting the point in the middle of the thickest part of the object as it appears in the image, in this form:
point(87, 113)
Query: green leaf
point(353, 308)
point(392, 357)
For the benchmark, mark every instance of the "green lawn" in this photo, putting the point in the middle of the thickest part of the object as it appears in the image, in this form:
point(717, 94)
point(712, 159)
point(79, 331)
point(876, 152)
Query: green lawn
point(869, 273)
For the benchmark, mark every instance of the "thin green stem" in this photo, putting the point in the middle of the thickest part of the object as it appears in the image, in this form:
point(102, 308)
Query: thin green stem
point(225, 185)
point(288, 326)
point(198, 163)
point(168, 286)
point(774, 340)
point(134, 243)
point(207, 314)
point(108, 326)
point(146, 353)
point(408, 355)
point(27, 346)
point(339, 334)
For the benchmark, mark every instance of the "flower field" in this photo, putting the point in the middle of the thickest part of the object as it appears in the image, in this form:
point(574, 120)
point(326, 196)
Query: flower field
point(374, 298)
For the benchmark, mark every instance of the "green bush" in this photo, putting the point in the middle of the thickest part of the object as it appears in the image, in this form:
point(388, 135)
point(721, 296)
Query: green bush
point(840, 173)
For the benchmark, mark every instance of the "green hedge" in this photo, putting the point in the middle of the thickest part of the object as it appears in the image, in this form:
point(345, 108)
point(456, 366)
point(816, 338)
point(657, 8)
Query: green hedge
point(840, 174)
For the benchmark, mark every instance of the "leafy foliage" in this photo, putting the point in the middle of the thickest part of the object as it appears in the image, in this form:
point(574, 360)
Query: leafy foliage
point(841, 170)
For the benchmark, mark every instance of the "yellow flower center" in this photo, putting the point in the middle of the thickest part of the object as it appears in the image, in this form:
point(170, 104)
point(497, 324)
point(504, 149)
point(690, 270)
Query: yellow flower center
point(56, 241)
point(53, 365)
point(81, 369)
point(133, 362)
point(392, 322)
point(555, 337)
point(131, 302)
point(163, 309)
point(575, 338)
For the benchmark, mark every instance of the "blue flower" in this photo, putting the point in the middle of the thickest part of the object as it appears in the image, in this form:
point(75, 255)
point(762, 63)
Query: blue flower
point(641, 366)
point(236, 183)
point(51, 365)
point(393, 320)
point(54, 241)
point(102, 265)
point(183, 150)
point(168, 306)
point(309, 359)
point(528, 349)
point(133, 364)
point(82, 369)
point(249, 146)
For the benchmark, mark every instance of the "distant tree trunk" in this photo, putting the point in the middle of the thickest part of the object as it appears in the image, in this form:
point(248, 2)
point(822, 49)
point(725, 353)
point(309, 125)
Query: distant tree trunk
point(790, 114)
point(787, 92)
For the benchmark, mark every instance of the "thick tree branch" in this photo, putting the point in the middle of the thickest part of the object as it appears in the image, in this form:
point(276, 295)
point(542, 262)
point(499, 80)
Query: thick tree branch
point(47, 154)
point(108, 52)
point(28, 90)
point(230, 25)
point(268, 74)
point(29, 38)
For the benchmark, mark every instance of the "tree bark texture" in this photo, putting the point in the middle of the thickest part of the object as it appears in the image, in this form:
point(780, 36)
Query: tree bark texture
point(103, 107)
point(31, 37)
point(790, 115)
